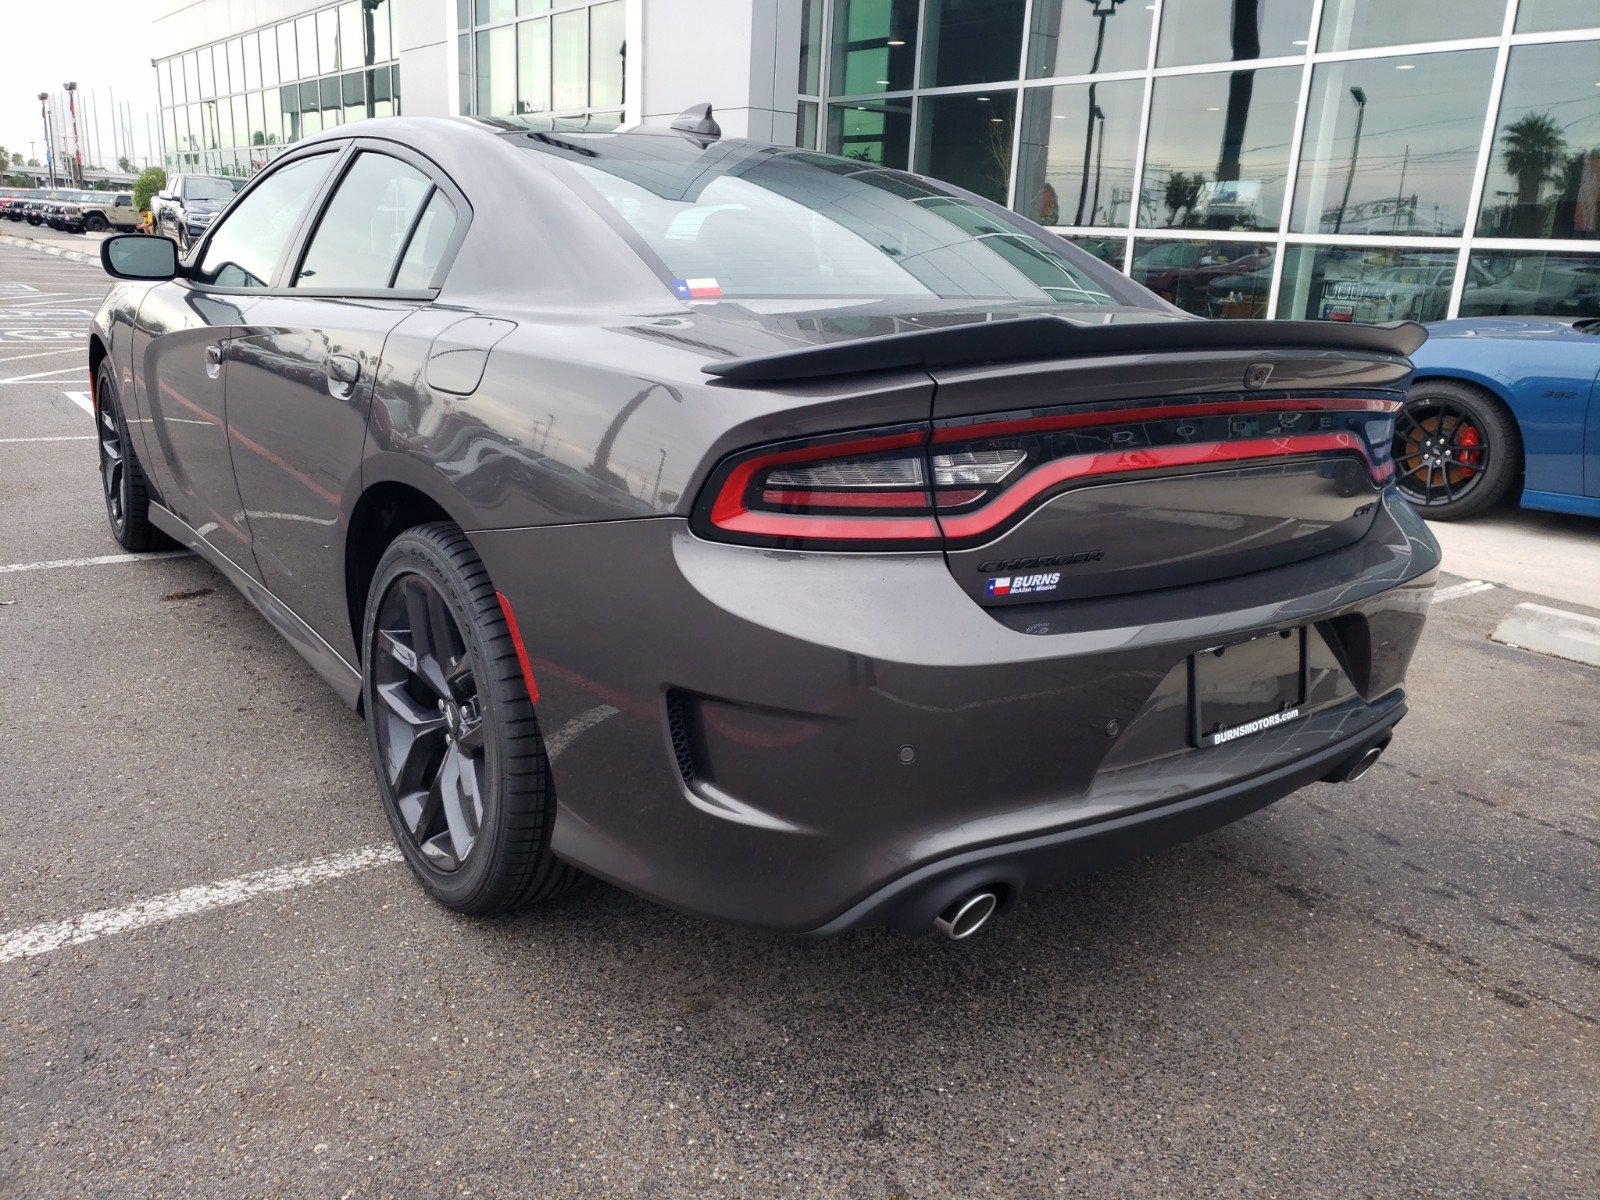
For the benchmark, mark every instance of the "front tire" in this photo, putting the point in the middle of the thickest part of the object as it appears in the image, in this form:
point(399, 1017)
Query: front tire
point(122, 481)
point(454, 738)
point(1457, 451)
point(95, 223)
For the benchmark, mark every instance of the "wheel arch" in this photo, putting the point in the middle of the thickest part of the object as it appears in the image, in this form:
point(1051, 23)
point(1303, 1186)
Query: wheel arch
point(383, 512)
point(1494, 389)
point(98, 350)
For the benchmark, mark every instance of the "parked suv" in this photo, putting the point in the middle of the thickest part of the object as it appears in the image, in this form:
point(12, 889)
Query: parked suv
point(185, 208)
point(96, 212)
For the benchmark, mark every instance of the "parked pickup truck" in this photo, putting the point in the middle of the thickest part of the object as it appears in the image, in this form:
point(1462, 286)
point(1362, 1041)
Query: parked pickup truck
point(185, 208)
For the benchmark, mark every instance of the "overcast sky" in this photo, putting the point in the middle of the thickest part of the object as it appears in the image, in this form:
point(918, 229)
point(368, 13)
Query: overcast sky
point(103, 45)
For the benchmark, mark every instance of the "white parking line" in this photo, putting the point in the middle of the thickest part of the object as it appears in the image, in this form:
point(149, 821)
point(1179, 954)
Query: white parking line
point(43, 374)
point(99, 560)
point(89, 926)
point(86, 927)
point(75, 437)
point(1456, 590)
point(42, 354)
point(82, 400)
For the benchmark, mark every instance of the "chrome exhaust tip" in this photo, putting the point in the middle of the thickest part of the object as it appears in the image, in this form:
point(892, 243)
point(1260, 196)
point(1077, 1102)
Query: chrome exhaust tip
point(1363, 764)
point(966, 916)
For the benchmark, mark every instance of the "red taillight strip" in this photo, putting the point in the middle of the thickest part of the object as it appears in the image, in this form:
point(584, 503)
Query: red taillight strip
point(833, 529)
point(1116, 462)
point(863, 499)
point(516, 643)
point(730, 512)
point(1119, 416)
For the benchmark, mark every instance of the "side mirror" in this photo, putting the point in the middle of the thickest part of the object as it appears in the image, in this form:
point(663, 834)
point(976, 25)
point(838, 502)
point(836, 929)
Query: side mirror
point(135, 256)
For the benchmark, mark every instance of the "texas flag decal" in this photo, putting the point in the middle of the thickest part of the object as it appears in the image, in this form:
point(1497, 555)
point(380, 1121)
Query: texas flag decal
point(696, 289)
point(1000, 587)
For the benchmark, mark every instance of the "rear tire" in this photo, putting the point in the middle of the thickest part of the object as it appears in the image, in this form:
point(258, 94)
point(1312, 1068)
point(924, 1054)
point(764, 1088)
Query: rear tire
point(454, 738)
point(122, 481)
point(1457, 450)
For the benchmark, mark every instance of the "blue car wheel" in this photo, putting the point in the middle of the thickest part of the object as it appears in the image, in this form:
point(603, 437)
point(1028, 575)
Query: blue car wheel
point(1456, 450)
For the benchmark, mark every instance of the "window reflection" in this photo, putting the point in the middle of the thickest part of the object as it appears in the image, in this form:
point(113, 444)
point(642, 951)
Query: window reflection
point(966, 140)
point(1366, 284)
point(1537, 16)
point(877, 133)
point(1109, 250)
point(970, 41)
point(1390, 144)
point(1218, 151)
point(1202, 31)
point(1554, 285)
point(1085, 37)
point(1077, 154)
point(1211, 279)
point(874, 46)
point(1356, 24)
point(1544, 164)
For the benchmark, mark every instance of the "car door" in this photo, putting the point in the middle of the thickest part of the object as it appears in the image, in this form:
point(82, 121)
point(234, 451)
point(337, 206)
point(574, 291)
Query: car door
point(184, 329)
point(301, 373)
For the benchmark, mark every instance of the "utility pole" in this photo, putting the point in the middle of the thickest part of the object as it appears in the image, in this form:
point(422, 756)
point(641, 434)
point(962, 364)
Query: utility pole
point(77, 147)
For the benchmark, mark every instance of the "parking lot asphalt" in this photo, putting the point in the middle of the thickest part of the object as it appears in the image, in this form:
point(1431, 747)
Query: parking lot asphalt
point(1387, 988)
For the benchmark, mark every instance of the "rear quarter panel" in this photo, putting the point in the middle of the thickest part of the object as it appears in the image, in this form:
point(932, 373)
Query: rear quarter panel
point(1547, 384)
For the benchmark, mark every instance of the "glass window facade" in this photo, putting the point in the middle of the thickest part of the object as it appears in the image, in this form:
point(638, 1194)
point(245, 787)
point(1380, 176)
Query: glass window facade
point(231, 107)
point(559, 58)
point(1322, 159)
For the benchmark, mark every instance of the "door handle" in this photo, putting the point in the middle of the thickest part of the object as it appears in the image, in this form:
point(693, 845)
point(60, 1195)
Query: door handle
point(343, 372)
point(213, 360)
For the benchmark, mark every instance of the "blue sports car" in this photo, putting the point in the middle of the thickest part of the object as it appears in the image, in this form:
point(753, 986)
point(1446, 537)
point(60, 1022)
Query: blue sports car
point(1499, 402)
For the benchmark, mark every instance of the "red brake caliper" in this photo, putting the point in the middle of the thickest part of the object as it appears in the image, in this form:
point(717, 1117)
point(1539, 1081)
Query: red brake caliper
point(1469, 461)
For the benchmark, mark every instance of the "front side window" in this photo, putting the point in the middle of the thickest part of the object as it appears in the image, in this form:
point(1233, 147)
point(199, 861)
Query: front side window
point(245, 248)
point(737, 221)
point(364, 227)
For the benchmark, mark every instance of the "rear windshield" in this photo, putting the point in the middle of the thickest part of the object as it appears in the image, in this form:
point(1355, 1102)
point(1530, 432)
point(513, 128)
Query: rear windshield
point(740, 220)
point(208, 187)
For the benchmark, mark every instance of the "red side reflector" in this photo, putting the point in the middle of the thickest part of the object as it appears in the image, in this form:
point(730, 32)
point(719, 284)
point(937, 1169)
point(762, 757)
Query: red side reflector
point(522, 651)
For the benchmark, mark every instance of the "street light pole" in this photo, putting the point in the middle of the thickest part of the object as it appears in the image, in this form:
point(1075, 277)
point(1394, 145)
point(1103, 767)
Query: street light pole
point(49, 151)
point(77, 152)
point(1359, 95)
point(1102, 10)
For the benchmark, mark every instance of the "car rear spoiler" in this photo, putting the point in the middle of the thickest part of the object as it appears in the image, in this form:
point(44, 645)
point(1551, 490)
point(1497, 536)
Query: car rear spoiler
point(1057, 337)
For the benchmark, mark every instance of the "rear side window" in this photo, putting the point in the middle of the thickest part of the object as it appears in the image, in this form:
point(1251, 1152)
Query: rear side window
point(245, 248)
point(365, 225)
point(428, 243)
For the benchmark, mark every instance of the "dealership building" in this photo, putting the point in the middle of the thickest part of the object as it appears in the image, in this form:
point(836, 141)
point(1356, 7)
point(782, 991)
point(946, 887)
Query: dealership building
point(1352, 160)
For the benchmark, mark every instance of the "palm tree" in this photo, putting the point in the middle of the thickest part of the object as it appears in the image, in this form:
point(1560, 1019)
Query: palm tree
point(1183, 190)
point(1530, 149)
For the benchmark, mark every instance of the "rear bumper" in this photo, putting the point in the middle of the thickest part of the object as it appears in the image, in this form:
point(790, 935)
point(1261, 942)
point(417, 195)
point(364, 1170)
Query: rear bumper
point(779, 739)
point(911, 902)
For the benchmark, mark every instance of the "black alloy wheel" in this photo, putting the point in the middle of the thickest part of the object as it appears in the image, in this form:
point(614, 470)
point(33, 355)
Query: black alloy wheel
point(454, 737)
point(122, 481)
point(1456, 449)
point(431, 735)
point(95, 223)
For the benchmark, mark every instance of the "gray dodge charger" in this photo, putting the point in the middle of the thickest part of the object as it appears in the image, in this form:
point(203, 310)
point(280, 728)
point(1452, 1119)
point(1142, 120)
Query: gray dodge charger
point(787, 539)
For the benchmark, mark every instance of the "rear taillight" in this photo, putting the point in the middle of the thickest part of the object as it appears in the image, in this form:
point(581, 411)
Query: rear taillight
point(963, 482)
point(845, 491)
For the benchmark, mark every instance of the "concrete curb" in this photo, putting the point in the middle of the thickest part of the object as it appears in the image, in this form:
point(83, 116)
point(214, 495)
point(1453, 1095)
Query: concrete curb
point(1552, 631)
point(27, 243)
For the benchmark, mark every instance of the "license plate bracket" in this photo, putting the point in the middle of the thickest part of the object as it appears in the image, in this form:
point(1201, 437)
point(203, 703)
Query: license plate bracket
point(1247, 687)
